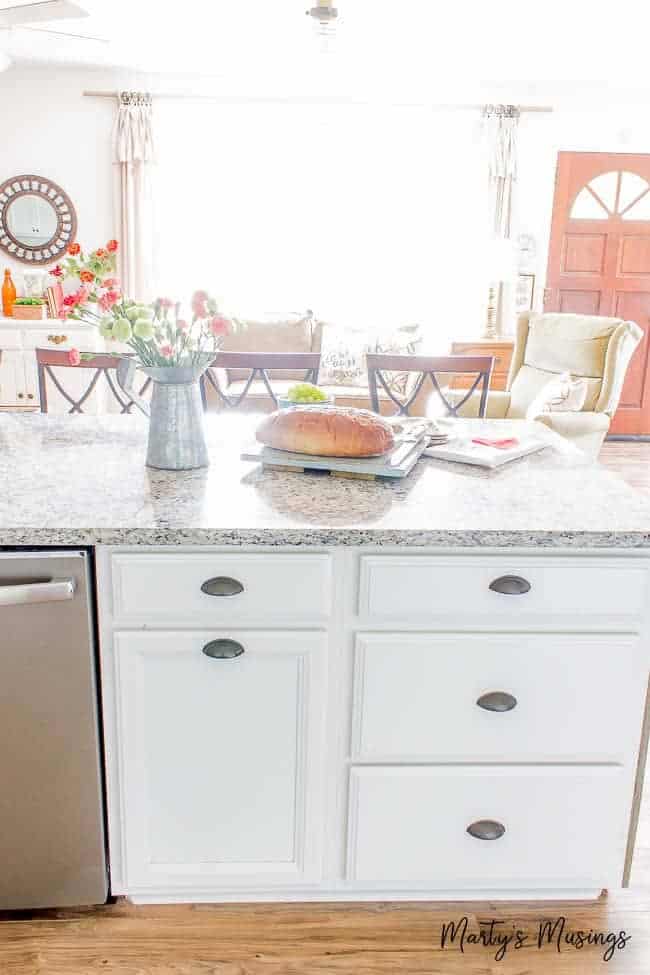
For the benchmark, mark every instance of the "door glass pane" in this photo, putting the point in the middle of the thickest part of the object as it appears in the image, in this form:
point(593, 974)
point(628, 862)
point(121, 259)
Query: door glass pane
point(640, 210)
point(631, 187)
point(604, 186)
point(587, 207)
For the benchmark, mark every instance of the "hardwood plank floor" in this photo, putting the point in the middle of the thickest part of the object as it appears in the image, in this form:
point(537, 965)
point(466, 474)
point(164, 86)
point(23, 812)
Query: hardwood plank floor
point(630, 460)
point(371, 939)
point(368, 939)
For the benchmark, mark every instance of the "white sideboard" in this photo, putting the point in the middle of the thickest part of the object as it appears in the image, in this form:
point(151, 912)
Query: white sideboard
point(18, 372)
point(371, 724)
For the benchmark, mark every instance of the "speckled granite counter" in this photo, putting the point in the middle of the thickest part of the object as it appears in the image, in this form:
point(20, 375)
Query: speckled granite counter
point(81, 480)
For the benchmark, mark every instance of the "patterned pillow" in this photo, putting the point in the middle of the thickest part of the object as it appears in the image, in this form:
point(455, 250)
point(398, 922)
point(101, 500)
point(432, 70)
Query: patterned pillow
point(343, 362)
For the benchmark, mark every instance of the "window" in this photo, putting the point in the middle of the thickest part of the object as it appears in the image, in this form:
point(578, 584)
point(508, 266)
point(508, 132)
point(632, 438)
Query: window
point(371, 217)
point(621, 194)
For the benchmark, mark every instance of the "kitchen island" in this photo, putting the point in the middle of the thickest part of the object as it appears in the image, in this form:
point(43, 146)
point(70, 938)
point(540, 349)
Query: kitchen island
point(324, 689)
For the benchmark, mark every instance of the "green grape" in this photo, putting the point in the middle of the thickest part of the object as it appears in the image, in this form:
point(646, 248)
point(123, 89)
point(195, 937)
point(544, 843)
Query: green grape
point(306, 393)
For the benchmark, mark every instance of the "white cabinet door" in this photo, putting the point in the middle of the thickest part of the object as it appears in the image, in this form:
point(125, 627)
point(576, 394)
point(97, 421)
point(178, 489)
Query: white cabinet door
point(13, 386)
point(220, 760)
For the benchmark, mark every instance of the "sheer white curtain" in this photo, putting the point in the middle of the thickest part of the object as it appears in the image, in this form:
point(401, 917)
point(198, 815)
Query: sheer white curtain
point(501, 131)
point(372, 217)
point(132, 193)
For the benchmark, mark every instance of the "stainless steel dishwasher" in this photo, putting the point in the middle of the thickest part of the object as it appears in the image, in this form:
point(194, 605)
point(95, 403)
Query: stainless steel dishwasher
point(52, 849)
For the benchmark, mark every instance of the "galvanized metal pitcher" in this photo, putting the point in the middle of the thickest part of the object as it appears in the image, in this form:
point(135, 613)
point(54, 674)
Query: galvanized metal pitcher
point(176, 434)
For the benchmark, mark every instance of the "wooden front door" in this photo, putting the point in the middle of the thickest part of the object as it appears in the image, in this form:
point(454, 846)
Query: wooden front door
point(599, 257)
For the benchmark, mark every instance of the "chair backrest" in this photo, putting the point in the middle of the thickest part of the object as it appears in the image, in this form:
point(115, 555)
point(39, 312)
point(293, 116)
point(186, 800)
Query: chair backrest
point(303, 366)
point(593, 348)
point(100, 366)
point(428, 367)
point(295, 334)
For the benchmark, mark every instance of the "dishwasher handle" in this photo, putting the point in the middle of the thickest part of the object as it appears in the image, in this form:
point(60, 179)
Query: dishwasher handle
point(22, 594)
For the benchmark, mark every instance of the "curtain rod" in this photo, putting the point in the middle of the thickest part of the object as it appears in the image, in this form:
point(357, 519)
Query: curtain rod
point(534, 109)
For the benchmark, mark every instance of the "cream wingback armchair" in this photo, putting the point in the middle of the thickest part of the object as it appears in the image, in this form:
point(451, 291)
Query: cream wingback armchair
point(596, 350)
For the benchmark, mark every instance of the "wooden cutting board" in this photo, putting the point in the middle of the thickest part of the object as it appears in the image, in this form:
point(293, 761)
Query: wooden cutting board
point(365, 468)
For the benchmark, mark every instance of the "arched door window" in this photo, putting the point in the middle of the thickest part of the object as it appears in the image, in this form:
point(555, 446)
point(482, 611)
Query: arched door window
point(614, 194)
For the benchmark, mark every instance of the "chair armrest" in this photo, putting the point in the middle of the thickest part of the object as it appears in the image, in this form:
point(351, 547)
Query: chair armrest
point(585, 430)
point(497, 404)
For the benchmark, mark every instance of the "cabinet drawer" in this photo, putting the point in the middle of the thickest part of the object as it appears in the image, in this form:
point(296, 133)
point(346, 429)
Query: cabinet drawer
point(564, 827)
point(220, 757)
point(502, 697)
point(166, 588)
point(579, 591)
point(58, 336)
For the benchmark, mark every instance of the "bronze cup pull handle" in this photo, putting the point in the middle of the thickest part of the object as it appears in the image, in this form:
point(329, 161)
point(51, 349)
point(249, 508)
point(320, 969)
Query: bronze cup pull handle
point(497, 701)
point(223, 649)
point(510, 585)
point(222, 586)
point(486, 829)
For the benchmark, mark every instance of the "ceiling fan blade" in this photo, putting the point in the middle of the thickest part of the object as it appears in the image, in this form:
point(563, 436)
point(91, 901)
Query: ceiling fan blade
point(61, 33)
point(40, 12)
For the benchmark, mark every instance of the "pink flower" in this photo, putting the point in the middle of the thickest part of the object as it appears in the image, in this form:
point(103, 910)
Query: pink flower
point(165, 303)
point(219, 325)
point(110, 283)
point(199, 304)
point(73, 357)
point(166, 351)
point(57, 271)
point(112, 246)
point(70, 302)
point(182, 324)
point(108, 299)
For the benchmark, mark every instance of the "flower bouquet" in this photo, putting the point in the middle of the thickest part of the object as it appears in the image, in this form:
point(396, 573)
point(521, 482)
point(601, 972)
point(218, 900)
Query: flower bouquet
point(170, 350)
point(157, 335)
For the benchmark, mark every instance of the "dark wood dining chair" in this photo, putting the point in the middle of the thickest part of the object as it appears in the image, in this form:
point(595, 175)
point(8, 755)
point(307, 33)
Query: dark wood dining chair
point(259, 366)
point(429, 367)
point(100, 367)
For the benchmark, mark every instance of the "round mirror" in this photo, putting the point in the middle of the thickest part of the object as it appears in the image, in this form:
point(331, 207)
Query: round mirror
point(31, 220)
point(37, 219)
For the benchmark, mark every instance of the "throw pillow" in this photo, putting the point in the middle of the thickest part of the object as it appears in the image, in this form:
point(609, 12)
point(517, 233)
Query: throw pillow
point(561, 394)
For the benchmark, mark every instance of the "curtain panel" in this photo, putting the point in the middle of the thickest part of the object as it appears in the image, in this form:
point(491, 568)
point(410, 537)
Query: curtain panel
point(501, 128)
point(133, 154)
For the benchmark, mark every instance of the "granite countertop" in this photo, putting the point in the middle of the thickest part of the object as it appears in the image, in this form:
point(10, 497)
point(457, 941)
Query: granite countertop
point(81, 480)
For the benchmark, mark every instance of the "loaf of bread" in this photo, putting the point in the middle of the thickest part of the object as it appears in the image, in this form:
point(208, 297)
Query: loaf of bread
point(327, 432)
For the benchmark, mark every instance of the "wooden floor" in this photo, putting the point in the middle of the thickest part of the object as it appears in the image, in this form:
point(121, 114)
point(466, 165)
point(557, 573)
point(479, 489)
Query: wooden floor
point(380, 939)
point(377, 939)
point(631, 461)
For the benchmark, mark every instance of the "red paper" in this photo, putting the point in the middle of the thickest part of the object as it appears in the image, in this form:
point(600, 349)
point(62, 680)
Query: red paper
point(502, 444)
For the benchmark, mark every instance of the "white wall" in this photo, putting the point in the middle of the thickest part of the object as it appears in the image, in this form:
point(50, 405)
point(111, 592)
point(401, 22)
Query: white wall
point(51, 130)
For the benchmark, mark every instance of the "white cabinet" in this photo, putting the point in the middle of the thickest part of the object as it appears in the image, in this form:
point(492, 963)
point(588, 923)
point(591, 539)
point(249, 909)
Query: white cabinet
point(19, 373)
point(15, 390)
point(220, 758)
point(223, 784)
